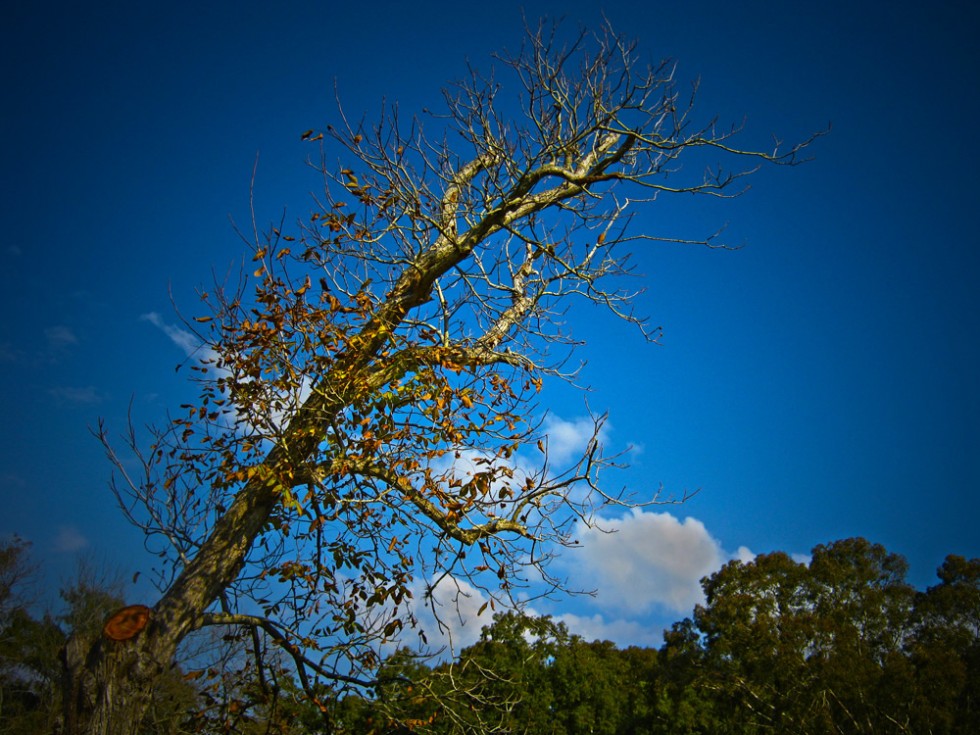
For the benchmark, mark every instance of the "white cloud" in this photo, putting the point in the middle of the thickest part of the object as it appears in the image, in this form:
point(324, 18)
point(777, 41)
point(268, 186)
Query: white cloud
point(457, 603)
point(646, 561)
point(69, 539)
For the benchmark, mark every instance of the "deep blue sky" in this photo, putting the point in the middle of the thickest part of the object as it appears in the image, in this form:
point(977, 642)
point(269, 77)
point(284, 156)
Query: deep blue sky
point(817, 384)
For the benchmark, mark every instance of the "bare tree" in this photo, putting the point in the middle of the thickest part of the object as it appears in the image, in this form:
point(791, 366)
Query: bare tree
point(362, 437)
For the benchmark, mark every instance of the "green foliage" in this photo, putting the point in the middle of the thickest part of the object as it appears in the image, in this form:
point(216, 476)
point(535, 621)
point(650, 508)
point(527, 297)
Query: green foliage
point(28, 648)
point(945, 650)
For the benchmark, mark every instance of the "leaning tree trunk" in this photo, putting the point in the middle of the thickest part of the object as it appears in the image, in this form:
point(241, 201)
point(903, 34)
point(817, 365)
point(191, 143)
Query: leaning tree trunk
point(107, 686)
point(108, 682)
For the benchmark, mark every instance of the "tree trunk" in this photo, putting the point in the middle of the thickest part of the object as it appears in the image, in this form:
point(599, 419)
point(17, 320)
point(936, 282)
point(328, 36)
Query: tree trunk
point(107, 685)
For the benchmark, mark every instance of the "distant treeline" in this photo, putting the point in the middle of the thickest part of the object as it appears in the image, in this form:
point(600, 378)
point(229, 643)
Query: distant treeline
point(842, 644)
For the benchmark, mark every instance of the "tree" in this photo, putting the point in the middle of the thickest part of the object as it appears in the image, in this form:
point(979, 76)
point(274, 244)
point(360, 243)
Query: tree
point(27, 650)
point(757, 627)
point(863, 612)
point(591, 688)
point(788, 647)
point(945, 650)
point(365, 424)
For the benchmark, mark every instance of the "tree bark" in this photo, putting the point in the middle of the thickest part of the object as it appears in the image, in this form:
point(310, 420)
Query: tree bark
point(107, 685)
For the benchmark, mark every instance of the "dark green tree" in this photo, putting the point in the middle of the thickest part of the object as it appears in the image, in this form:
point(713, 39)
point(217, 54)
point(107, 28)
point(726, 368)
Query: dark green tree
point(757, 625)
point(684, 700)
point(506, 673)
point(641, 682)
point(29, 670)
point(787, 647)
point(862, 610)
point(590, 688)
point(945, 651)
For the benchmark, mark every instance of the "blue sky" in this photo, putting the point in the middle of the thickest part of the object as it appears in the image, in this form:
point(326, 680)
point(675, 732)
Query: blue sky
point(817, 384)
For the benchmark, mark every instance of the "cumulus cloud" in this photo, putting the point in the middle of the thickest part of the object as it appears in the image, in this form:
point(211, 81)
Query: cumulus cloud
point(451, 616)
point(620, 631)
point(69, 539)
point(568, 440)
point(646, 561)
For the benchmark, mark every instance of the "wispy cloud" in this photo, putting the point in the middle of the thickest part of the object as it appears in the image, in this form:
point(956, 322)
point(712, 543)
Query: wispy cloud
point(192, 346)
point(69, 539)
point(60, 336)
point(87, 395)
point(646, 561)
point(184, 339)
